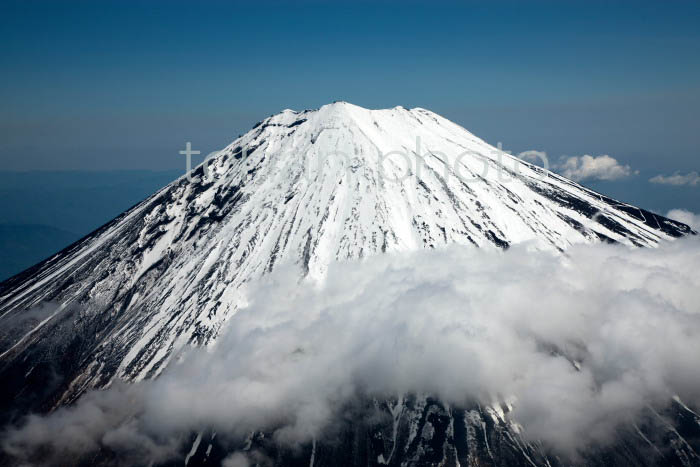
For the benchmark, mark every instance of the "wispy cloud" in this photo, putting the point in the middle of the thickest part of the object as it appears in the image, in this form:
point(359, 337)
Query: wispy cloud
point(587, 167)
point(458, 323)
point(677, 179)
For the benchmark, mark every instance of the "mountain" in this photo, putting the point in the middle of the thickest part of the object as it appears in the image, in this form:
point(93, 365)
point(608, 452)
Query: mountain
point(341, 182)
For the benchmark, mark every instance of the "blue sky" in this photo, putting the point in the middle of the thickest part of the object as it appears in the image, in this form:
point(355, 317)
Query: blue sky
point(106, 85)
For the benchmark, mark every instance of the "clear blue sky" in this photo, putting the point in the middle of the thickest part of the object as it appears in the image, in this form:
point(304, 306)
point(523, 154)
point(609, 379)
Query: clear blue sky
point(123, 84)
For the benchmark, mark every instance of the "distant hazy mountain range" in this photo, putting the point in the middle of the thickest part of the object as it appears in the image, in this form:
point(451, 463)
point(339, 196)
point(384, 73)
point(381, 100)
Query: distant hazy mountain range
point(43, 212)
point(24, 245)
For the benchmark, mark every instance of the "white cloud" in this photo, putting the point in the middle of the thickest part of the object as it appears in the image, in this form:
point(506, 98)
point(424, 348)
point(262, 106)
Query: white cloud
point(677, 179)
point(687, 217)
point(579, 168)
point(536, 157)
point(461, 324)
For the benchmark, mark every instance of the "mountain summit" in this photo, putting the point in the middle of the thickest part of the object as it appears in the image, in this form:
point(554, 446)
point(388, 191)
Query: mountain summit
point(341, 182)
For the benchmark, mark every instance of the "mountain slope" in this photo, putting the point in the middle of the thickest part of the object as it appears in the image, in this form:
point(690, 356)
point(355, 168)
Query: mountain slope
point(340, 182)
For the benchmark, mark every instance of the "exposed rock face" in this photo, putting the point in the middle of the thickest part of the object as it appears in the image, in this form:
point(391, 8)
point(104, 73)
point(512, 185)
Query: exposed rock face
point(421, 431)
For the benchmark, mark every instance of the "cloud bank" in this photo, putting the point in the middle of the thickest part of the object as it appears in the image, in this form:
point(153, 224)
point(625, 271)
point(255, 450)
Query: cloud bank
point(579, 168)
point(460, 324)
point(677, 179)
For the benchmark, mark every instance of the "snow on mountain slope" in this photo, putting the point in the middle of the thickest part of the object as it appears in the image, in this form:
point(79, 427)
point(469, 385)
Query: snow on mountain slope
point(340, 182)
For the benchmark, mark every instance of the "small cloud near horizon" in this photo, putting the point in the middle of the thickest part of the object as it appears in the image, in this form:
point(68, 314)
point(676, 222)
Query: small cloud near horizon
point(579, 168)
point(534, 156)
point(586, 167)
point(677, 179)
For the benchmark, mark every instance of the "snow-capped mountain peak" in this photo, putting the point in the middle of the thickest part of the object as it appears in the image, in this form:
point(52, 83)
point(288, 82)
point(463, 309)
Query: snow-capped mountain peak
point(312, 187)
